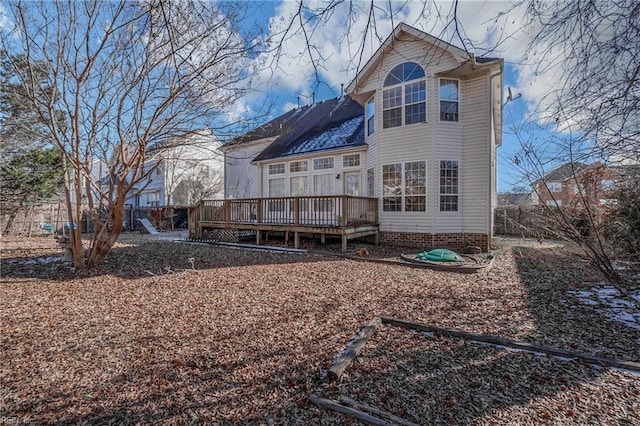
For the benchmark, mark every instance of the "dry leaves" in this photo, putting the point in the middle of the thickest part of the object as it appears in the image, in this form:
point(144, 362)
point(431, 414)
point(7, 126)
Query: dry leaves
point(170, 332)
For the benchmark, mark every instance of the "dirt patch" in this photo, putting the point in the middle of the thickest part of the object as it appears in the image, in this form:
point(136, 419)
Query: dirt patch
point(178, 333)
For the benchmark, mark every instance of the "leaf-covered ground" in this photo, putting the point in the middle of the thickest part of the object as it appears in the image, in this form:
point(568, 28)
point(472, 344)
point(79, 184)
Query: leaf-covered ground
point(176, 333)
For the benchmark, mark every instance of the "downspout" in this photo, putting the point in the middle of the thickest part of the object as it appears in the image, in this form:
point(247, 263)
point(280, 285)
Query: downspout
point(225, 193)
point(493, 169)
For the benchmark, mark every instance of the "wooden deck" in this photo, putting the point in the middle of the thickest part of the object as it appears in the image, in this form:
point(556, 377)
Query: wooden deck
point(342, 215)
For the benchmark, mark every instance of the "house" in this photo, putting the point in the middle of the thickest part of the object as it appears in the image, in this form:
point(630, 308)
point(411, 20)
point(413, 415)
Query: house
point(417, 131)
point(577, 185)
point(560, 186)
point(184, 173)
point(180, 173)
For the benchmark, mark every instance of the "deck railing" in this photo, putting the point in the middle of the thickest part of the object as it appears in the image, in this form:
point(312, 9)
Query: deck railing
point(314, 210)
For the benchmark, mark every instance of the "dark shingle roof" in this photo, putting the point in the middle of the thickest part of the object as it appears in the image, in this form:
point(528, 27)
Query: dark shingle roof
point(334, 123)
point(484, 59)
point(564, 172)
point(348, 133)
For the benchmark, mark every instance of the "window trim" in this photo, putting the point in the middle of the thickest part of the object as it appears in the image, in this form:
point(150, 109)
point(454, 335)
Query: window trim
point(370, 120)
point(284, 186)
point(291, 186)
point(445, 194)
point(403, 104)
point(554, 187)
point(305, 169)
point(275, 169)
point(325, 160)
point(440, 100)
point(371, 182)
point(353, 156)
point(402, 195)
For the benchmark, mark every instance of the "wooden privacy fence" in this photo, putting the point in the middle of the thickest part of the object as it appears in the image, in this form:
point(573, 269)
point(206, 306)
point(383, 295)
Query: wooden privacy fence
point(344, 215)
point(525, 221)
point(536, 221)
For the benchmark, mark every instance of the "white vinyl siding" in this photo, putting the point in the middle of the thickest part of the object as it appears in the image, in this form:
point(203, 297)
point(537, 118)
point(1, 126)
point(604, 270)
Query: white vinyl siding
point(466, 142)
point(242, 179)
point(475, 206)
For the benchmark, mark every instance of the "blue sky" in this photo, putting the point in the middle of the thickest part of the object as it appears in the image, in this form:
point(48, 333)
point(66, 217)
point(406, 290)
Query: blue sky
point(482, 31)
point(341, 47)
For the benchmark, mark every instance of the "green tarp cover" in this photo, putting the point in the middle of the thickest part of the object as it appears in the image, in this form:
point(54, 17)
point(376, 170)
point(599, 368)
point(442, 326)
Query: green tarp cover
point(440, 255)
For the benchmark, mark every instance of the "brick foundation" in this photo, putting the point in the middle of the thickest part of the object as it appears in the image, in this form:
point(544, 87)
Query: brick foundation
point(428, 241)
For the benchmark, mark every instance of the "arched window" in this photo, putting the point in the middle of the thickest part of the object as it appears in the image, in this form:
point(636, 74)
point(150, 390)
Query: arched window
point(404, 90)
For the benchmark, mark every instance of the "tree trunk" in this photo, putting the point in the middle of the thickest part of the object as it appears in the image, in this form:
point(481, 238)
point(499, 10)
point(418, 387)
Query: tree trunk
point(106, 237)
point(10, 219)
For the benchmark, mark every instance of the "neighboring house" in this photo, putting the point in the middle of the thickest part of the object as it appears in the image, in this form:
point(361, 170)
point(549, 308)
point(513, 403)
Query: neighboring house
point(578, 184)
point(558, 187)
point(418, 130)
point(187, 172)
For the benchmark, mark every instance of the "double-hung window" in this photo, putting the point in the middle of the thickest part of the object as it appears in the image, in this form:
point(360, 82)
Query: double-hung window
point(404, 187)
point(371, 115)
point(405, 95)
point(449, 100)
point(449, 186)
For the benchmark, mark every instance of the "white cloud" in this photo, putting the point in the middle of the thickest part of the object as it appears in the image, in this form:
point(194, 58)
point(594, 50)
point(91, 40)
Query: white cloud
point(338, 48)
point(5, 22)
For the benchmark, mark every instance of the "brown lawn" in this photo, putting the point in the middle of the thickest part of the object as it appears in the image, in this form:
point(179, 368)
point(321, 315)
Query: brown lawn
point(176, 333)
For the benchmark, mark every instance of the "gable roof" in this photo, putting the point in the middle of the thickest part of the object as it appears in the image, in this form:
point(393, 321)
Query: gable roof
point(460, 55)
point(334, 123)
point(564, 172)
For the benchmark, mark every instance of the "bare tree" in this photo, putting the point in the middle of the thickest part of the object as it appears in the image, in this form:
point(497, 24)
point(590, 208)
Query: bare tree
point(129, 76)
point(591, 115)
point(593, 48)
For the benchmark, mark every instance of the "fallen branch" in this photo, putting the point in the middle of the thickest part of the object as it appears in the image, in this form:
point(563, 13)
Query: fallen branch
point(376, 411)
point(335, 406)
point(496, 340)
point(346, 357)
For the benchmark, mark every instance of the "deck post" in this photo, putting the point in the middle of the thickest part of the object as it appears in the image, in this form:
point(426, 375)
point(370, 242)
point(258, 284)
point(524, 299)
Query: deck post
point(323, 239)
point(377, 238)
point(259, 212)
point(296, 211)
point(258, 237)
point(227, 211)
point(296, 239)
point(345, 212)
point(344, 243)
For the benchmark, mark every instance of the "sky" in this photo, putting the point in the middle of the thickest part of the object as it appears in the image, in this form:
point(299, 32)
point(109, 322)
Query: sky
point(344, 36)
point(486, 28)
